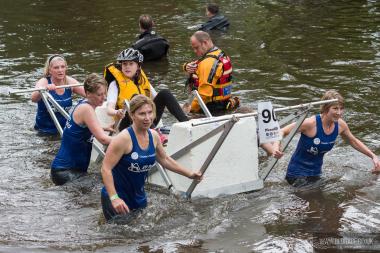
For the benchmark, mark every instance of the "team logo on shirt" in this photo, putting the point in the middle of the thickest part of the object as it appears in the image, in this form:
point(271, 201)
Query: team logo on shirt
point(317, 141)
point(135, 156)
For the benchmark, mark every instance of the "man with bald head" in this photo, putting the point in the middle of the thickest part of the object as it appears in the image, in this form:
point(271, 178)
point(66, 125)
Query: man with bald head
point(211, 75)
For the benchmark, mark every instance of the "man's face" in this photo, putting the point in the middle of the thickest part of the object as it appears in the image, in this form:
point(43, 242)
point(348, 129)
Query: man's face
point(200, 48)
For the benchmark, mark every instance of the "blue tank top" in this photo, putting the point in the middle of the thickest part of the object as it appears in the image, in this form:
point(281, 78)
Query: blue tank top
point(307, 160)
point(76, 146)
point(131, 171)
point(44, 123)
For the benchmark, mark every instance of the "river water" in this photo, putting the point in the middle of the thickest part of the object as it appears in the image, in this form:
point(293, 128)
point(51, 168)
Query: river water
point(286, 51)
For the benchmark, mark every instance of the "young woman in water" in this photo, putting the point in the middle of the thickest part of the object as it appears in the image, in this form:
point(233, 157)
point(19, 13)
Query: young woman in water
point(74, 154)
point(54, 76)
point(128, 160)
point(318, 135)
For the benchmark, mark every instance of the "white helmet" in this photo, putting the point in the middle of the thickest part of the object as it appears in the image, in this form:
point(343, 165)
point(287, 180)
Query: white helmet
point(130, 54)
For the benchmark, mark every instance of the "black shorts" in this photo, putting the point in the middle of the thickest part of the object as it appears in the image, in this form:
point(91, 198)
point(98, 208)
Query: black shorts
point(113, 217)
point(302, 181)
point(63, 176)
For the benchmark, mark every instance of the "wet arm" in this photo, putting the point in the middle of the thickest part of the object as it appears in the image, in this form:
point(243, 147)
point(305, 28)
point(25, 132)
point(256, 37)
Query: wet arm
point(91, 121)
point(113, 155)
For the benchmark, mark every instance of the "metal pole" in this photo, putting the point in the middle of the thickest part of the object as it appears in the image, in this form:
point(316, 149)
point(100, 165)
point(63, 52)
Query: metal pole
point(202, 104)
point(228, 126)
point(265, 172)
point(56, 105)
point(66, 115)
point(52, 114)
point(212, 120)
point(44, 89)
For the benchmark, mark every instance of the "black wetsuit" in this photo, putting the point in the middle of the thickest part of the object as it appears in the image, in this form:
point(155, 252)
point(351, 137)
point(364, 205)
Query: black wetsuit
point(151, 45)
point(217, 22)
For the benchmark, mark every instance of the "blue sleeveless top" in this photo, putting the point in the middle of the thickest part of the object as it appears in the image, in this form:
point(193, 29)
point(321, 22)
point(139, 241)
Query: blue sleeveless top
point(131, 171)
point(76, 146)
point(44, 123)
point(307, 160)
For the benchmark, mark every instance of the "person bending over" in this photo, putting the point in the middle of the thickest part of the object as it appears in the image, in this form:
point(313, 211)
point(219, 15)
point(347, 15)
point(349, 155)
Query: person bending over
point(74, 155)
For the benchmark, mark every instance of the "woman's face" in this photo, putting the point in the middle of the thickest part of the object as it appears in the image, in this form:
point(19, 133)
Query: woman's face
point(97, 98)
point(129, 68)
point(143, 117)
point(335, 112)
point(57, 69)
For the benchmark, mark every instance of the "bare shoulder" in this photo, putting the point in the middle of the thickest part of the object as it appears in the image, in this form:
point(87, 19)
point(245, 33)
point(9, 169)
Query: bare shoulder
point(343, 126)
point(156, 137)
point(42, 83)
point(71, 80)
point(123, 136)
point(309, 123)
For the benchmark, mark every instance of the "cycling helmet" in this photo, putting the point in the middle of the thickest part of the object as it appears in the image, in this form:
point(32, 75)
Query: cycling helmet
point(130, 54)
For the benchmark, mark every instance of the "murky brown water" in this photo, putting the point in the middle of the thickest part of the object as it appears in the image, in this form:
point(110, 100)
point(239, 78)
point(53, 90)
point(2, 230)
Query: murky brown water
point(288, 52)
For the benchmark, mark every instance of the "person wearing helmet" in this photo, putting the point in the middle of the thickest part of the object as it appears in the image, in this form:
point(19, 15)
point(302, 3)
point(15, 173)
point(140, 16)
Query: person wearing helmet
point(129, 81)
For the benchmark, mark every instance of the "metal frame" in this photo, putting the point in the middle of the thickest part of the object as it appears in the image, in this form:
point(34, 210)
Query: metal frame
point(302, 114)
point(46, 97)
point(226, 127)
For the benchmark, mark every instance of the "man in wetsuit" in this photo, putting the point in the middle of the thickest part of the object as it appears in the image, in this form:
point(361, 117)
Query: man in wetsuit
point(149, 43)
point(216, 21)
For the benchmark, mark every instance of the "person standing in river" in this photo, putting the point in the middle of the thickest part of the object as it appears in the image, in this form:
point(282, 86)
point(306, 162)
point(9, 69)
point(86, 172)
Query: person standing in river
point(129, 158)
point(151, 45)
point(74, 155)
point(318, 136)
point(216, 21)
point(54, 76)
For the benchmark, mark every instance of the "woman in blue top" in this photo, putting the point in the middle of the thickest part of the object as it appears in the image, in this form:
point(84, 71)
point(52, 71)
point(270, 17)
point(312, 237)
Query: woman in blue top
point(74, 154)
point(54, 76)
point(318, 135)
point(129, 158)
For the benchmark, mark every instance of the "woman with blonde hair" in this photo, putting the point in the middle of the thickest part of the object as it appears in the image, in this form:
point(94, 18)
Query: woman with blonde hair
point(318, 136)
point(130, 156)
point(54, 76)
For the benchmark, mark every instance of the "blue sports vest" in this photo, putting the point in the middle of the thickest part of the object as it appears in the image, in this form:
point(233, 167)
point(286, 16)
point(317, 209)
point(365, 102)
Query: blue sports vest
point(44, 123)
point(131, 171)
point(307, 160)
point(76, 146)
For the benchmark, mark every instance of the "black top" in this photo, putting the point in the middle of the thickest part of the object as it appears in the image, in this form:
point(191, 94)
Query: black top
point(217, 22)
point(151, 45)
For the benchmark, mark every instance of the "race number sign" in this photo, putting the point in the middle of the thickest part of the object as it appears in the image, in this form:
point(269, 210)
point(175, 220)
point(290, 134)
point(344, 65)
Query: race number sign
point(269, 129)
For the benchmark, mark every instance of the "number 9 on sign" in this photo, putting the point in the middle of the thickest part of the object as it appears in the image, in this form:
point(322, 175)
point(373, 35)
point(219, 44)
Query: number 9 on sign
point(269, 129)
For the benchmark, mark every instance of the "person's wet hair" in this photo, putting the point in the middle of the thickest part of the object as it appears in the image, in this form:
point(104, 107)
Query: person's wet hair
point(213, 8)
point(138, 101)
point(93, 81)
point(146, 22)
point(331, 94)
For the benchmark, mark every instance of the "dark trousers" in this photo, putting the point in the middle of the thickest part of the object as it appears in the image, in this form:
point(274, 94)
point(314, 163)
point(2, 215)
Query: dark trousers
point(163, 99)
point(112, 216)
point(61, 177)
point(302, 181)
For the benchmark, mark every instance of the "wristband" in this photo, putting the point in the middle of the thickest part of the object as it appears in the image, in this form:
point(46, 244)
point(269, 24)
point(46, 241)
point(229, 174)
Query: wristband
point(113, 197)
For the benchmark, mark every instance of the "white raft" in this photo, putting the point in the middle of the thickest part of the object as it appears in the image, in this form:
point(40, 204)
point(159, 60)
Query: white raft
point(231, 169)
point(224, 149)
